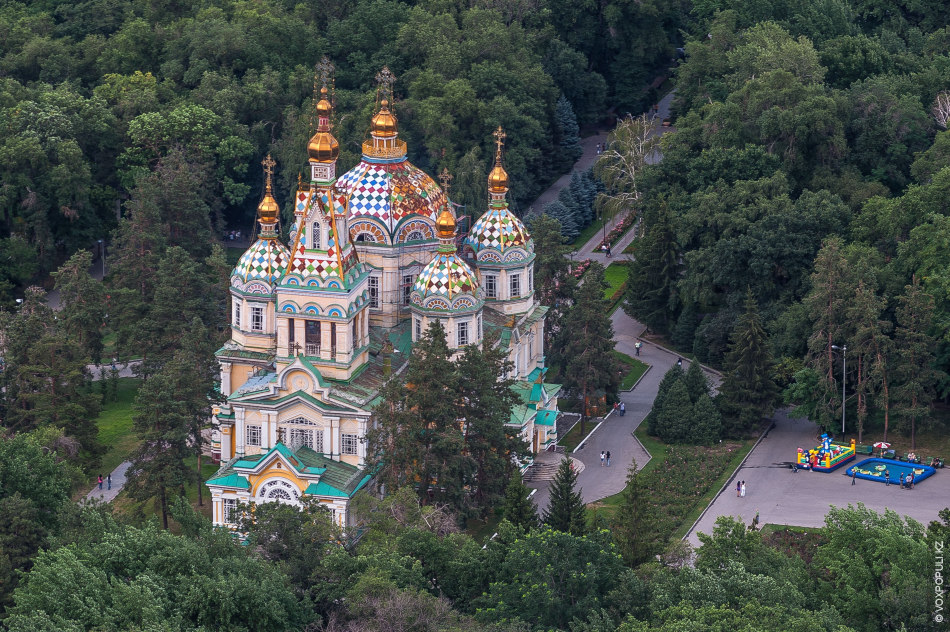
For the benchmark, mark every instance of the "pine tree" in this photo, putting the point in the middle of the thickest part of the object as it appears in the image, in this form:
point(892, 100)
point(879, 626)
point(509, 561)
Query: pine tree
point(706, 422)
point(864, 312)
point(676, 415)
point(748, 391)
point(914, 376)
point(587, 340)
point(565, 510)
point(518, 508)
point(568, 134)
point(684, 332)
point(633, 524)
point(485, 403)
point(83, 303)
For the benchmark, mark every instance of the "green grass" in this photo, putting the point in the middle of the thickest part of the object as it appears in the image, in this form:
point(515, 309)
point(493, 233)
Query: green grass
point(616, 276)
point(635, 369)
point(115, 425)
point(142, 511)
point(654, 446)
point(573, 438)
point(588, 233)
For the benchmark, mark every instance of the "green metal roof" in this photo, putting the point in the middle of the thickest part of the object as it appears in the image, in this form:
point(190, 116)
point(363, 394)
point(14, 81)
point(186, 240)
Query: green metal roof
point(230, 480)
point(546, 417)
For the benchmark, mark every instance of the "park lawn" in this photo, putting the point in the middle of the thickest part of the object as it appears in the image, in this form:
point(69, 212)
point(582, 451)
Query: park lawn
point(115, 424)
point(634, 370)
point(588, 233)
point(768, 529)
point(616, 276)
point(573, 437)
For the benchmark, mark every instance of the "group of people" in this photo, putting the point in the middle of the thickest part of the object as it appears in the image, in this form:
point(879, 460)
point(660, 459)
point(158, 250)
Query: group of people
point(233, 235)
point(621, 408)
point(601, 147)
point(107, 480)
point(740, 489)
point(605, 458)
point(605, 248)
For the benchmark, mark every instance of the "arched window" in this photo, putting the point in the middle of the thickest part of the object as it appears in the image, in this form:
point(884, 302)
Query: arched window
point(317, 236)
point(415, 235)
point(365, 237)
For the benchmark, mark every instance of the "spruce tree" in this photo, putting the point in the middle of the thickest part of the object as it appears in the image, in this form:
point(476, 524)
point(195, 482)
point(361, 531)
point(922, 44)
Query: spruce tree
point(518, 508)
point(676, 415)
point(568, 134)
point(651, 288)
point(914, 376)
point(569, 228)
point(696, 383)
point(706, 422)
point(565, 510)
point(633, 525)
point(748, 392)
point(674, 375)
point(82, 301)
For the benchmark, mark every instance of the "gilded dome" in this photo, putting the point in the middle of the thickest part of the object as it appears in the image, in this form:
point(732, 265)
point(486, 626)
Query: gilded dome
point(498, 179)
point(445, 225)
point(323, 147)
point(384, 123)
point(267, 210)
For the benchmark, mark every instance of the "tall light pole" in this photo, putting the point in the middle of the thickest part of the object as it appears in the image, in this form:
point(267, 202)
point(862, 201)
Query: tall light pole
point(844, 367)
point(102, 257)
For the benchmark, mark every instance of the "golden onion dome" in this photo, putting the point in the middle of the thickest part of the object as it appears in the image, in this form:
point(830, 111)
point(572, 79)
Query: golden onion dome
point(445, 225)
point(498, 179)
point(267, 210)
point(323, 147)
point(384, 123)
point(323, 105)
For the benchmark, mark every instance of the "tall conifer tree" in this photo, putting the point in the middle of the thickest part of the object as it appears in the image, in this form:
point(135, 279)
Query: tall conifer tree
point(748, 391)
point(633, 524)
point(914, 375)
point(565, 510)
point(518, 508)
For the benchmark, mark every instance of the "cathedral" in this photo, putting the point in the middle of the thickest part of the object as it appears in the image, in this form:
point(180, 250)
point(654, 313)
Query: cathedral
point(319, 324)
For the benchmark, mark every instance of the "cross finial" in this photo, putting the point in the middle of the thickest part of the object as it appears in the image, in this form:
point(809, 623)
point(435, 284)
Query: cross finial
point(500, 137)
point(325, 70)
point(268, 169)
point(385, 78)
point(446, 179)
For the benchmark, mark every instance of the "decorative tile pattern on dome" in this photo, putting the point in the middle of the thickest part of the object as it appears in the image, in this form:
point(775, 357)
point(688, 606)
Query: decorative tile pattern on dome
point(266, 260)
point(390, 192)
point(499, 230)
point(446, 275)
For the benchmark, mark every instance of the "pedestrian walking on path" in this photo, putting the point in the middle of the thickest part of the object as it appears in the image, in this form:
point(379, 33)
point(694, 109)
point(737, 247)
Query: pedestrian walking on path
point(603, 457)
point(638, 346)
point(108, 481)
point(887, 478)
point(743, 489)
point(608, 458)
point(738, 488)
point(623, 409)
point(100, 481)
point(854, 475)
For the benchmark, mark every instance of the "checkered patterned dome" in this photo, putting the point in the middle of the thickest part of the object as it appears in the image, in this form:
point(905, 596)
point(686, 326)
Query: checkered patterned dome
point(389, 192)
point(446, 276)
point(266, 260)
point(498, 229)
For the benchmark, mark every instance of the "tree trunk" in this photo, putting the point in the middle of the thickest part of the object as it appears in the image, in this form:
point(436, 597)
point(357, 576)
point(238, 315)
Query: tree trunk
point(164, 501)
point(201, 502)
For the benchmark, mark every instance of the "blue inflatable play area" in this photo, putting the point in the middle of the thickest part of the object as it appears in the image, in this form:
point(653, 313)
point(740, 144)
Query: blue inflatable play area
point(875, 470)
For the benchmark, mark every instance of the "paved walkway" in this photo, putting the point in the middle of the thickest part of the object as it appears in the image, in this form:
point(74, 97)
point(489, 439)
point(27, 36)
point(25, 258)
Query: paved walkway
point(616, 433)
point(118, 482)
point(803, 498)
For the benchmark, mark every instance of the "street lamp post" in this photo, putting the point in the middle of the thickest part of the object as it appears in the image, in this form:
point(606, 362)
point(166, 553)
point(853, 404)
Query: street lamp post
point(844, 368)
point(102, 258)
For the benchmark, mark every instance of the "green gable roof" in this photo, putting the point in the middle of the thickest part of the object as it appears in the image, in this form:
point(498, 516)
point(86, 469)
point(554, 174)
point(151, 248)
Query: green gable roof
point(546, 417)
point(230, 480)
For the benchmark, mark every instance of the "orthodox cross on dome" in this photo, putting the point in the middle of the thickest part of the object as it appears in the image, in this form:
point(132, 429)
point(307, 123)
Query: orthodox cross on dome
point(500, 137)
point(445, 178)
point(325, 70)
point(385, 78)
point(268, 164)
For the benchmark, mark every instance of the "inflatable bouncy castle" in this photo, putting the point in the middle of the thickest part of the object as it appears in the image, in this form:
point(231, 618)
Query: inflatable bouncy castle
point(826, 457)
